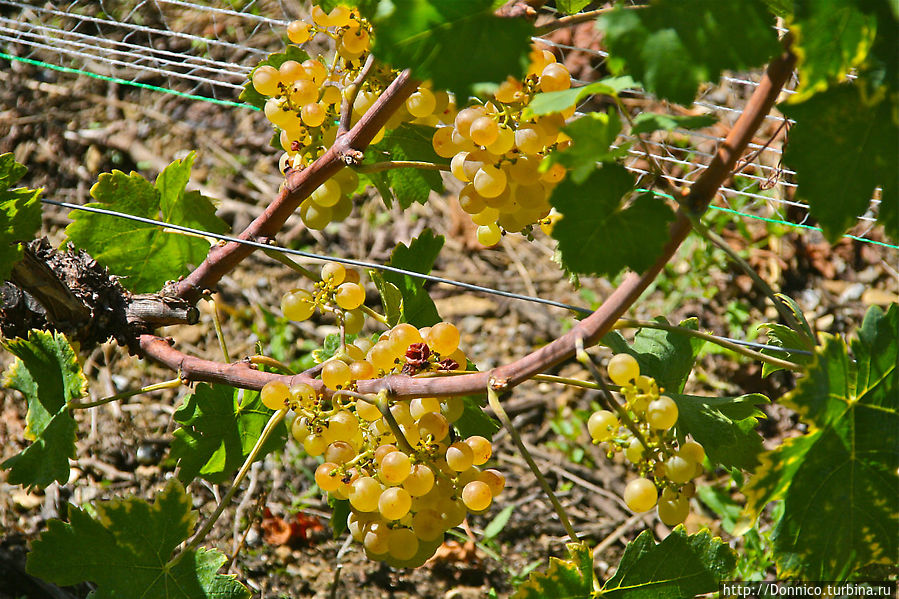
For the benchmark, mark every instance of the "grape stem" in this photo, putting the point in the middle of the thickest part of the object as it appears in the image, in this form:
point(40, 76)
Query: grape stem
point(377, 167)
point(626, 323)
point(572, 20)
point(383, 404)
point(260, 360)
point(283, 259)
point(494, 402)
point(346, 108)
point(273, 422)
point(217, 323)
point(171, 384)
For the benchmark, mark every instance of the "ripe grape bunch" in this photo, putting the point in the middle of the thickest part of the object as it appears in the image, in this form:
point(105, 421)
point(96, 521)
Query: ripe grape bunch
point(662, 462)
point(498, 154)
point(407, 475)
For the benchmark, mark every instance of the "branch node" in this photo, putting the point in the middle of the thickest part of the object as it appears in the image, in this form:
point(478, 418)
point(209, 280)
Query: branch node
point(351, 157)
point(500, 385)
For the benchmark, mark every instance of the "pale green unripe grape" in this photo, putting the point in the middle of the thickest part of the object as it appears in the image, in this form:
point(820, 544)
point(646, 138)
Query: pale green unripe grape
point(602, 425)
point(349, 296)
point(297, 305)
point(678, 470)
point(342, 209)
point(353, 321)
point(274, 394)
point(692, 452)
point(453, 407)
point(634, 451)
point(265, 80)
point(673, 511)
point(421, 103)
point(348, 180)
point(623, 369)
point(327, 194)
point(662, 413)
point(315, 216)
point(490, 181)
point(489, 234)
point(640, 495)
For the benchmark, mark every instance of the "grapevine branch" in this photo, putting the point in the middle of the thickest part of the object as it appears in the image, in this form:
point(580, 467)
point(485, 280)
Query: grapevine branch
point(590, 330)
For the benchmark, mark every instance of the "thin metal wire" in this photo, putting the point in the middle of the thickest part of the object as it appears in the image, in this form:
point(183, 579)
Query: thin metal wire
point(370, 265)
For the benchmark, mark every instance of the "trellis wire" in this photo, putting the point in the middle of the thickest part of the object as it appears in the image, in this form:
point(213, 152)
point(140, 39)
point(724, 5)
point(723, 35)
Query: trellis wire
point(128, 50)
point(370, 265)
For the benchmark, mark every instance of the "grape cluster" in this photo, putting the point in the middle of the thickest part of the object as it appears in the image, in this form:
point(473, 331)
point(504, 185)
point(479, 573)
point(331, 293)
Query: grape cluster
point(339, 292)
point(499, 154)
point(663, 463)
point(407, 475)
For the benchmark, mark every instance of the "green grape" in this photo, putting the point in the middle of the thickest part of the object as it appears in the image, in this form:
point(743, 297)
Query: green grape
point(326, 477)
point(298, 32)
point(634, 451)
point(494, 480)
point(454, 406)
point(662, 413)
point(453, 513)
point(402, 544)
point(335, 374)
point(365, 493)
point(394, 468)
point(692, 452)
point(349, 296)
point(484, 131)
point(490, 181)
point(679, 470)
point(420, 406)
point(489, 235)
point(314, 215)
point(420, 480)
point(274, 395)
point(459, 456)
point(394, 503)
point(353, 321)
point(640, 495)
point(342, 209)
point(265, 80)
point(673, 511)
point(555, 77)
point(481, 449)
point(476, 496)
point(334, 273)
point(421, 103)
point(623, 369)
point(297, 305)
point(327, 194)
point(602, 425)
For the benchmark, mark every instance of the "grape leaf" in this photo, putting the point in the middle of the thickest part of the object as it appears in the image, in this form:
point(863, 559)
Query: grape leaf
point(843, 471)
point(144, 255)
point(647, 122)
point(417, 307)
point(474, 421)
point(126, 548)
point(673, 46)
point(724, 426)
point(592, 136)
point(409, 142)
point(842, 147)
point(434, 37)
point(680, 566)
point(48, 374)
point(391, 298)
point(20, 213)
point(219, 427)
point(597, 235)
point(667, 356)
point(276, 59)
point(831, 37)
point(550, 102)
point(780, 335)
point(569, 7)
point(569, 578)
point(366, 7)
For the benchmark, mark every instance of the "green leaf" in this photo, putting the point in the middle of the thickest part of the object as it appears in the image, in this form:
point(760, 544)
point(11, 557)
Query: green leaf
point(409, 142)
point(145, 255)
point(597, 234)
point(48, 374)
point(276, 59)
point(499, 522)
point(647, 122)
point(680, 566)
point(830, 38)
point(126, 548)
point(20, 213)
point(591, 138)
point(673, 46)
point(842, 147)
point(667, 356)
point(569, 7)
point(340, 510)
point(435, 37)
point(550, 102)
point(569, 579)
point(724, 426)
point(391, 298)
point(843, 472)
point(474, 421)
point(780, 335)
point(417, 307)
point(219, 427)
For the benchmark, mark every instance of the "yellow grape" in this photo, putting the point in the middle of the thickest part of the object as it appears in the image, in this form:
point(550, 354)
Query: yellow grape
point(529, 139)
point(470, 200)
point(489, 235)
point(443, 338)
point(466, 117)
point(442, 141)
point(349, 296)
point(394, 503)
point(297, 305)
point(487, 216)
point(427, 524)
point(335, 374)
point(331, 96)
point(454, 406)
point(434, 424)
point(314, 215)
point(673, 511)
point(394, 468)
point(362, 370)
point(555, 77)
point(303, 92)
point(381, 356)
point(402, 544)
point(353, 321)
point(355, 40)
point(662, 413)
point(326, 477)
point(365, 493)
point(313, 114)
point(494, 480)
point(421, 103)
point(490, 181)
point(420, 406)
point(316, 70)
point(327, 194)
point(509, 91)
point(302, 394)
point(481, 449)
point(640, 495)
point(634, 451)
point(377, 540)
point(290, 71)
point(457, 166)
point(602, 425)
point(298, 32)
point(334, 273)
point(299, 428)
point(623, 369)
point(476, 496)
point(274, 395)
point(459, 456)
point(265, 80)
point(420, 480)
point(403, 335)
point(315, 445)
point(343, 425)
point(692, 452)
point(484, 131)
point(679, 470)
point(504, 142)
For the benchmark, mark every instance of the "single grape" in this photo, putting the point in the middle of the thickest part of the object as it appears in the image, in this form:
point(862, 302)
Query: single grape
point(420, 480)
point(529, 139)
point(484, 131)
point(442, 141)
point(640, 495)
point(327, 194)
point(377, 539)
point(679, 470)
point(420, 406)
point(367, 411)
point(493, 479)
point(433, 424)
point(673, 511)
point(457, 166)
point(459, 456)
point(314, 445)
point(402, 544)
point(602, 425)
point(692, 452)
point(303, 91)
point(485, 217)
point(490, 181)
point(403, 335)
point(326, 477)
point(623, 369)
point(335, 374)
point(265, 80)
point(299, 428)
point(481, 449)
point(489, 235)
point(382, 356)
point(427, 524)
point(314, 215)
point(316, 70)
point(290, 71)
point(274, 395)
point(453, 407)
point(298, 32)
point(297, 305)
point(634, 451)
point(394, 503)
point(349, 296)
point(421, 103)
point(509, 91)
point(443, 338)
point(365, 493)
point(362, 370)
point(355, 40)
point(466, 117)
point(313, 114)
point(555, 77)
point(476, 496)
point(394, 468)
point(334, 273)
point(662, 413)
point(343, 425)
point(339, 452)
point(353, 321)
point(504, 142)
